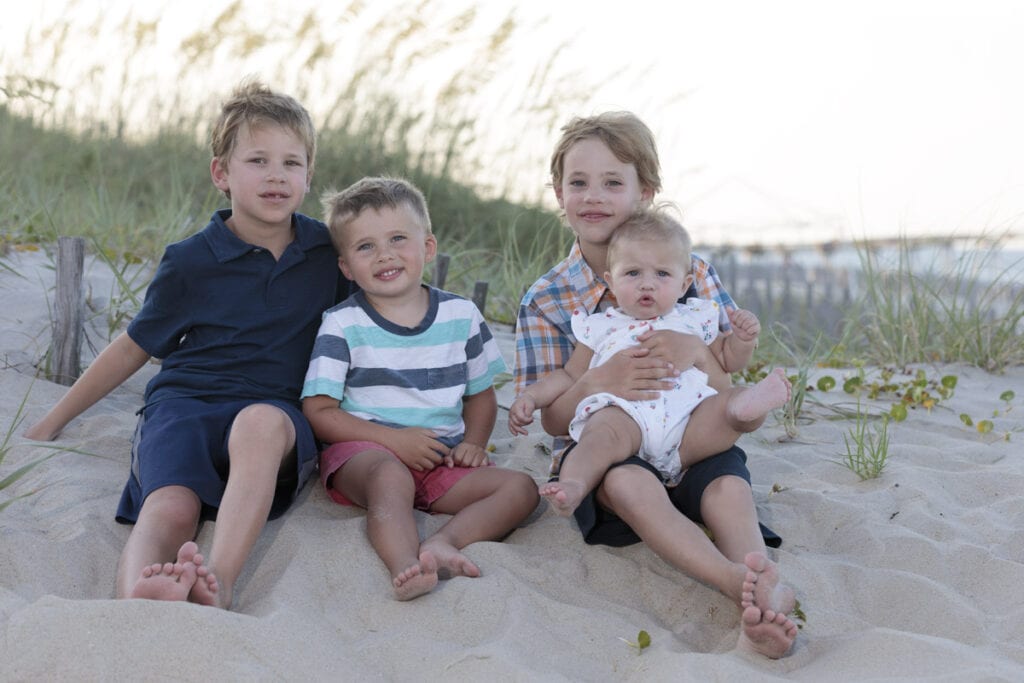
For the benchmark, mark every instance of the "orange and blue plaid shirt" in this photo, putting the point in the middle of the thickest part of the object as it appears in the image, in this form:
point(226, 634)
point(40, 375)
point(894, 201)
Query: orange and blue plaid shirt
point(544, 338)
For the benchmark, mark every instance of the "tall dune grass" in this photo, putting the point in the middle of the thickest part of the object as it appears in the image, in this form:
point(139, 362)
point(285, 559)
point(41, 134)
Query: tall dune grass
point(107, 150)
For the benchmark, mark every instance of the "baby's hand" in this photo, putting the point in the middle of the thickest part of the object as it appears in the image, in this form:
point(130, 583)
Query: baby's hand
point(418, 448)
point(745, 324)
point(521, 414)
point(469, 455)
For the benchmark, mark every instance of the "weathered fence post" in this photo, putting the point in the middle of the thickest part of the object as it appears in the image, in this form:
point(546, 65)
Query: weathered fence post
point(66, 344)
point(441, 270)
point(480, 296)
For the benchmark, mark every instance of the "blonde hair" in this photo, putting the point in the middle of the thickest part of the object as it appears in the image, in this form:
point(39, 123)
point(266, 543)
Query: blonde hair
point(255, 104)
point(629, 139)
point(341, 208)
point(654, 225)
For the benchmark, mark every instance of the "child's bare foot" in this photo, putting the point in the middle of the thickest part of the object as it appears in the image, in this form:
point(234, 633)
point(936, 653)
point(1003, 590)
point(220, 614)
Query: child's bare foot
point(168, 581)
point(565, 495)
point(450, 561)
point(204, 589)
point(762, 589)
point(418, 579)
point(766, 632)
point(754, 403)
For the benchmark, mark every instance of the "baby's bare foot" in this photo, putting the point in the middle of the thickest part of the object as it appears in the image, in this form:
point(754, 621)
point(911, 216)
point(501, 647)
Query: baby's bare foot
point(766, 632)
point(168, 581)
point(565, 495)
point(418, 579)
point(755, 402)
point(761, 587)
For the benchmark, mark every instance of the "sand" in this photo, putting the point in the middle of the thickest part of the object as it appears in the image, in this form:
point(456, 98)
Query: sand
point(914, 575)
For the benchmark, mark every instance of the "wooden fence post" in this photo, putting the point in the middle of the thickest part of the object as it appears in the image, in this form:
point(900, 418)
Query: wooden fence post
point(480, 296)
point(441, 270)
point(66, 344)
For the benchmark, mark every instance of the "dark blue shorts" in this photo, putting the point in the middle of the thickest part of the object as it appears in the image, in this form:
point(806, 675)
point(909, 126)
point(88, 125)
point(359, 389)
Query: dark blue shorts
point(602, 527)
point(184, 442)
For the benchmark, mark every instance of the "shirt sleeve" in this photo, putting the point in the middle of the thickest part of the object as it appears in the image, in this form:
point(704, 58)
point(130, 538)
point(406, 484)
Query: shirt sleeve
point(163, 319)
point(329, 362)
point(542, 346)
point(483, 357)
point(709, 286)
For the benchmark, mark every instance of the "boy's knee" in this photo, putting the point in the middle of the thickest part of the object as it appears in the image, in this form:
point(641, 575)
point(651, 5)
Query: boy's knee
point(524, 487)
point(620, 484)
point(726, 488)
point(261, 416)
point(175, 507)
point(266, 423)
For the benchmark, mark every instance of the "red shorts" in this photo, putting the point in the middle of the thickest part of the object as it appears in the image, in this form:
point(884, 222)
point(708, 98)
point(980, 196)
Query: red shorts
point(430, 485)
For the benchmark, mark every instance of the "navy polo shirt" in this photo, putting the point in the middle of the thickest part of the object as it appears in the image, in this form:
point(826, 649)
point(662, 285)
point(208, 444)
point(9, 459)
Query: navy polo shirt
point(229, 321)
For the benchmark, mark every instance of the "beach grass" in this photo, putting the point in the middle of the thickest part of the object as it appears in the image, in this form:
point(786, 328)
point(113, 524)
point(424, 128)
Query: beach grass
point(87, 168)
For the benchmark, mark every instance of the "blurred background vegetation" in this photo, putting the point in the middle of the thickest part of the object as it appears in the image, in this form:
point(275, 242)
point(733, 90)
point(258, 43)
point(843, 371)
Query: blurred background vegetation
point(105, 137)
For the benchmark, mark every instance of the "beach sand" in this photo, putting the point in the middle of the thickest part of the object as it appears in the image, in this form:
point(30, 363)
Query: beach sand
point(915, 575)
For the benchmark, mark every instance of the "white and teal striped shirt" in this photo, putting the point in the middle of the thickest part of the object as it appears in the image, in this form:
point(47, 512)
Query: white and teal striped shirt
point(404, 376)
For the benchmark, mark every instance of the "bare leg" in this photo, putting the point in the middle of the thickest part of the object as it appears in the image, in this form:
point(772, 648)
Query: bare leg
point(765, 626)
point(261, 443)
point(487, 504)
point(610, 436)
point(727, 507)
point(748, 407)
point(379, 482)
point(168, 519)
point(636, 496)
point(717, 422)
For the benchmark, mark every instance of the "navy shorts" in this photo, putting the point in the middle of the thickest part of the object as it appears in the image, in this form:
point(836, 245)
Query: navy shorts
point(184, 442)
point(602, 527)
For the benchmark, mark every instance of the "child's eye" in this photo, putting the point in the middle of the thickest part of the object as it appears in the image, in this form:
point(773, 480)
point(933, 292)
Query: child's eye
point(664, 273)
point(632, 273)
point(614, 183)
point(258, 160)
point(398, 238)
point(577, 183)
point(365, 246)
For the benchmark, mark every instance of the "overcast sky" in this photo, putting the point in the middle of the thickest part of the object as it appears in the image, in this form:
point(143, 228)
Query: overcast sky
point(790, 120)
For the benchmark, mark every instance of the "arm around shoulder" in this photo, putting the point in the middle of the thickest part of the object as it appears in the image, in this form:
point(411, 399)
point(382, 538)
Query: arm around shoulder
point(116, 363)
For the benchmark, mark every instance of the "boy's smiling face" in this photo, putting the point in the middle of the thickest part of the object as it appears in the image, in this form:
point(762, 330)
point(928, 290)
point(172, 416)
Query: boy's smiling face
point(598, 192)
point(267, 176)
point(385, 250)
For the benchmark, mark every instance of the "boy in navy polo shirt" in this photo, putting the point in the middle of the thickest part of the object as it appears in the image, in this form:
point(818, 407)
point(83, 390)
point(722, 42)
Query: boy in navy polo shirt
point(233, 312)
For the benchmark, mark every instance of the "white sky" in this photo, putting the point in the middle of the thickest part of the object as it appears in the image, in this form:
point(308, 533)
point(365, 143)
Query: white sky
point(788, 120)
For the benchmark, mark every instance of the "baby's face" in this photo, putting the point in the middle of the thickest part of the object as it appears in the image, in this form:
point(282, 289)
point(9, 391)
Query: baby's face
point(647, 278)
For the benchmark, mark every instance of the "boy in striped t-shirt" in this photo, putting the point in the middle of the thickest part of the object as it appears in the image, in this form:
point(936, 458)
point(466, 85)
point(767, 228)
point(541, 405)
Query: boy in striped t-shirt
point(400, 384)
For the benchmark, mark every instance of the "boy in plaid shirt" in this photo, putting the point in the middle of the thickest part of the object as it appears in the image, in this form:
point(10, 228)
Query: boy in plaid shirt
point(602, 169)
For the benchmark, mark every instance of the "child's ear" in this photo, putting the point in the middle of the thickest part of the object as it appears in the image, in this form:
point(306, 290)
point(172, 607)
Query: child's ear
point(219, 174)
point(345, 269)
point(646, 194)
point(431, 244)
point(558, 195)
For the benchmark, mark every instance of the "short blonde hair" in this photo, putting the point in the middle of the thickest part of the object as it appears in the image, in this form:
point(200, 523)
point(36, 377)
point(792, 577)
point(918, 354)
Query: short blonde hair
point(255, 104)
point(654, 225)
point(341, 208)
point(629, 139)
